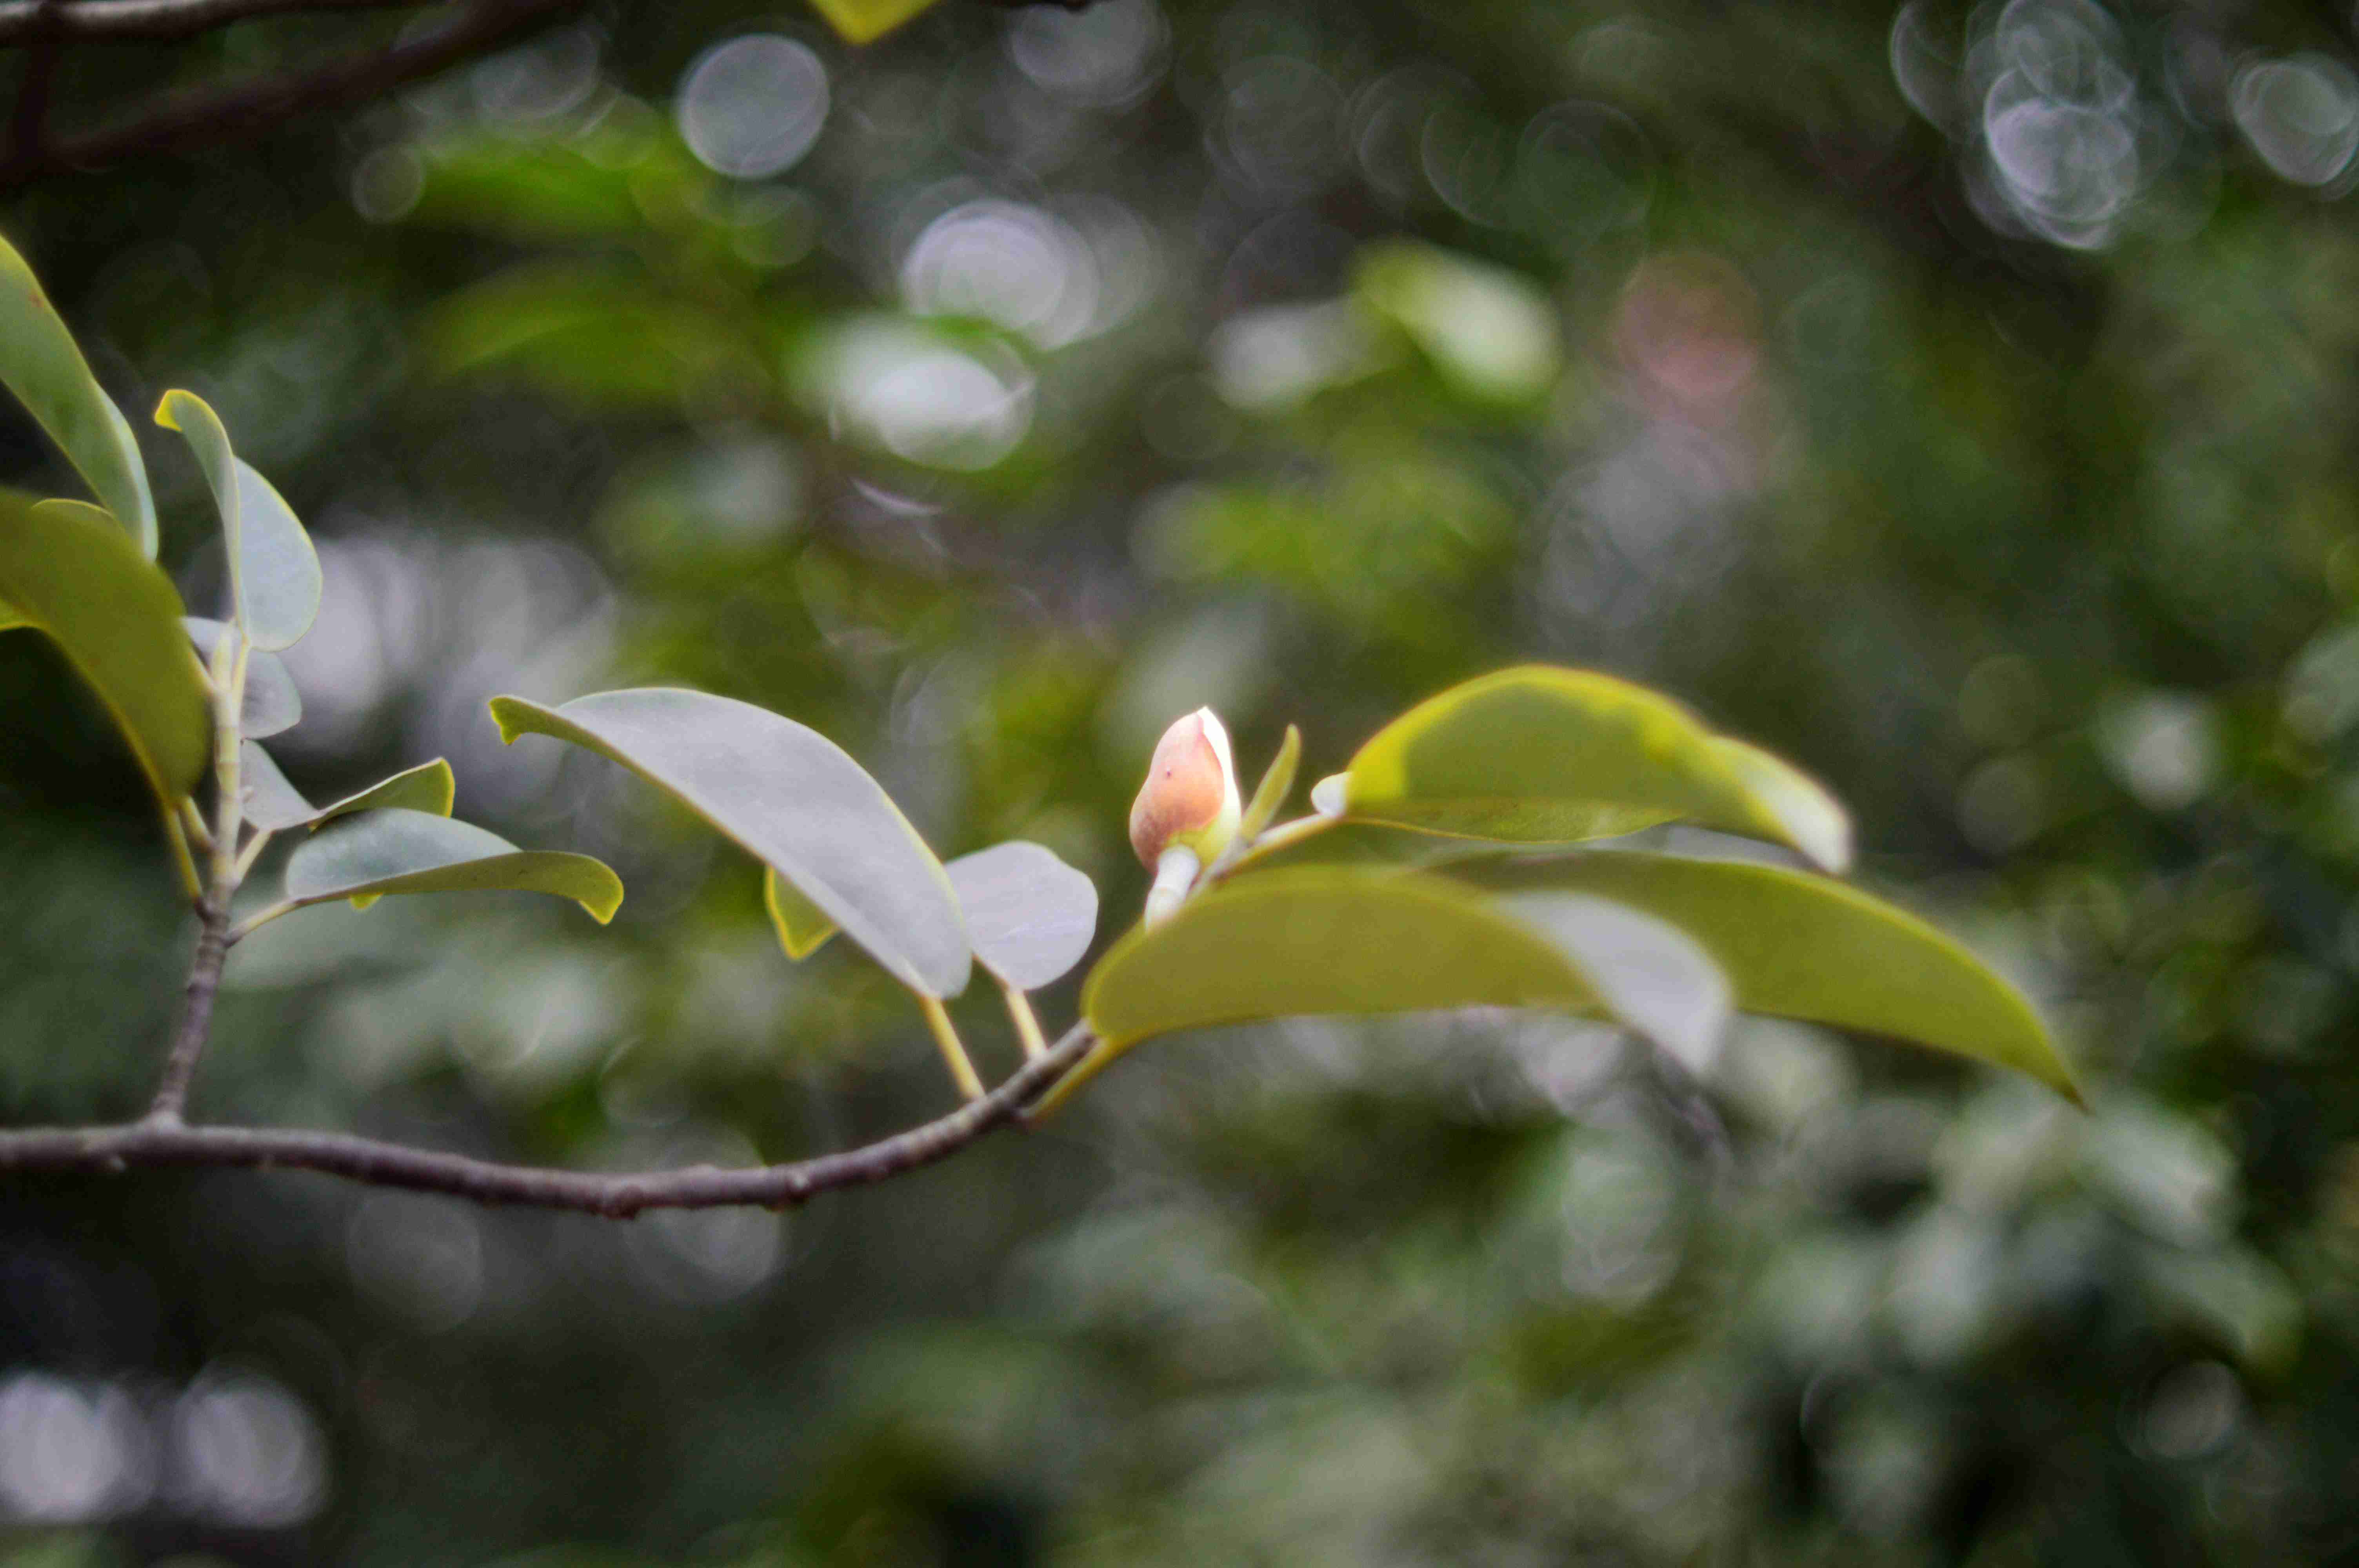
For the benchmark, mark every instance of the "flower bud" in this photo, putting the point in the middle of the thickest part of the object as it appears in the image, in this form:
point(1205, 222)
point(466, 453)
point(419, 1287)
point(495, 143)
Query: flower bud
point(1190, 799)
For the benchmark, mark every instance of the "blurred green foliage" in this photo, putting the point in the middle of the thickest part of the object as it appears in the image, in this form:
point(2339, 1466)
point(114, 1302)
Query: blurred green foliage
point(1958, 402)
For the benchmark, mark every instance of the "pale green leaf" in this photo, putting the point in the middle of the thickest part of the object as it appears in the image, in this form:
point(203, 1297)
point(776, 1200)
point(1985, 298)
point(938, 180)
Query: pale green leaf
point(1649, 974)
point(864, 21)
point(272, 704)
point(1491, 331)
point(401, 851)
point(795, 800)
point(1804, 946)
point(1333, 940)
point(1029, 916)
point(70, 570)
point(1539, 754)
point(274, 806)
point(274, 573)
point(803, 927)
point(40, 363)
point(1813, 820)
point(1276, 784)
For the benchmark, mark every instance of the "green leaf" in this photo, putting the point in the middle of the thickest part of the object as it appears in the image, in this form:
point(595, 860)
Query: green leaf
point(863, 21)
point(274, 806)
point(1492, 333)
point(1813, 819)
point(1650, 974)
point(41, 366)
point(803, 927)
point(11, 617)
point(1275, 786)
point(1029, 916)
point(272, 704)
point(401, 851)
point(70, 571)
point(1329, 940)
point(1804, 946)
point(274, 574)
point(794, 799)
point(1539, 754)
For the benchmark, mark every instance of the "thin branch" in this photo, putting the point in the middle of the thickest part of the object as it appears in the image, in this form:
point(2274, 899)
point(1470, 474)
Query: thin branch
point(954, 1057)
point(228, 672)
point(155, 1144)
point(196, 1009)
point(215, 116)
point(124, 21)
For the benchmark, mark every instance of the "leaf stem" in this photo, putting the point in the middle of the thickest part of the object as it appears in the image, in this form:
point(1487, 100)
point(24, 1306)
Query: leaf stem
point(954, 1057)
point(252, 852)
point(1027, 1026)
point(185, 863)
point(262, 917)
point(193, 820)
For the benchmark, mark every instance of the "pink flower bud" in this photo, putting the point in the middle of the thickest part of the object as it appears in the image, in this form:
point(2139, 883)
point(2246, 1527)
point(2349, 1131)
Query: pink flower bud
point(1190, 799)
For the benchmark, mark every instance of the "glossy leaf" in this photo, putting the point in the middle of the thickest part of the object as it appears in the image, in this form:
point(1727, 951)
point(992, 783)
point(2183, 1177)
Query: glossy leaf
point(11, 617)
point(1805, 947)
point(795, 800)
point(41, 364)
point(272, 704)
point(1029, 916)
point(70, 570)
point(401, 851)
point(863, 21)
point(1540, 755)
point(803, 927)
point(274, 806)
point(1329, 940)
point(1814, 821)
point(274, 573)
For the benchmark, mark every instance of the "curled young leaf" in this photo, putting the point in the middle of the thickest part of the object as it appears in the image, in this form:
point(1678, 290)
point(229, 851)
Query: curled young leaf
point(1276, 783)
point(40, 363)
point(1029, 916)
point(274, 572)
point(274, 806)
point(795, 800)
point(72, 572)
point(401, 851)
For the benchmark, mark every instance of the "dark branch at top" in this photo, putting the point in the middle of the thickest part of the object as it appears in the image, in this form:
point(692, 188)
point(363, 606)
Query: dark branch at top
point(132, 21)
point(100, 21)
point(212, 117)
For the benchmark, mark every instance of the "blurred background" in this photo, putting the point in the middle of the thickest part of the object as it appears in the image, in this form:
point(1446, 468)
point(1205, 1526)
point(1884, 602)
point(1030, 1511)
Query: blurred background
point(1961, 401)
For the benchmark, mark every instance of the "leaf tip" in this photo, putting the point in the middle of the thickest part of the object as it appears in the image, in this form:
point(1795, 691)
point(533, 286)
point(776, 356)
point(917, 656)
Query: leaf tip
point(513, 715)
